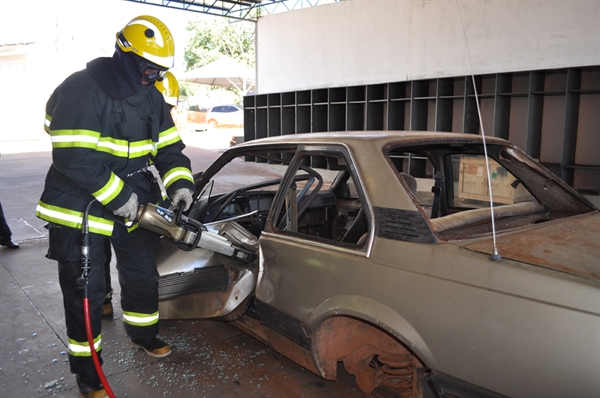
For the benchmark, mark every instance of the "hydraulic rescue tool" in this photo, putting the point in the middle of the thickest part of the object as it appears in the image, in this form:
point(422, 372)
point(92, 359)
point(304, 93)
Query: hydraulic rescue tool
point(186, 232)
point(183, 231)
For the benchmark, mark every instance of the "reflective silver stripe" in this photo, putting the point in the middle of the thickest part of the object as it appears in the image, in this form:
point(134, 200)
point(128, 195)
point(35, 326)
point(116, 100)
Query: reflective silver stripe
point(114, 187)
point(113, 146)
point(142, 148)
point(171, 136)
point(176, 174)
point(82, 348)
point(73, 219)
point(59, 215)
point(140, 320)
point(75, 138)
point(159, 60)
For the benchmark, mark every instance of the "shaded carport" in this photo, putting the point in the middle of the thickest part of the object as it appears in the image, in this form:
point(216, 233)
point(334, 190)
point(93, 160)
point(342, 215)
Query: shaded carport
point(247, 10)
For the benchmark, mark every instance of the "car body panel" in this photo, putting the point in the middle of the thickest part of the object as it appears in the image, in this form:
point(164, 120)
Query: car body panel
point(221, 115)
point(556, 246)
point(475, 302)
point(525, 325)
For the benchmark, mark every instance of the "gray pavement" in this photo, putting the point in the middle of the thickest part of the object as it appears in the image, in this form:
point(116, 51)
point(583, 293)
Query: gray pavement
point(209, 359)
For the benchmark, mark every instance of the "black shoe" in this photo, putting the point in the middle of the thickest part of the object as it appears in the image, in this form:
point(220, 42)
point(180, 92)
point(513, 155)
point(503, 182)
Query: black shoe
point(90, 386)
point(153, 347)
point(11, 244)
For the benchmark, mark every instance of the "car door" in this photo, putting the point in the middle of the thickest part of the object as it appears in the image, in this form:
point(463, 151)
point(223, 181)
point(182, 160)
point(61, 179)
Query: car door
point(217, 278)
point(318, 232)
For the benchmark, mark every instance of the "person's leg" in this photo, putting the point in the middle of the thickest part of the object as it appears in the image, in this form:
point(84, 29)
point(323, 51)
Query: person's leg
point(65, 248)
point(5, 232)
point(107, 308)
point(139, 287)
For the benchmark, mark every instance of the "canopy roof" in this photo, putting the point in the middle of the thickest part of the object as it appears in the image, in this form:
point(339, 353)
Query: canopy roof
point(248, 10)
point(225, 72)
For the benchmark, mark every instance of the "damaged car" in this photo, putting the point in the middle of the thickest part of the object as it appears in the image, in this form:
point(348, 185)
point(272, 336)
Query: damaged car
point(413, 258)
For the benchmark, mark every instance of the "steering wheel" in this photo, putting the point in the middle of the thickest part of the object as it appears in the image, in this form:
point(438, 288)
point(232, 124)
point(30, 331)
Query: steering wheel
point(227, 198)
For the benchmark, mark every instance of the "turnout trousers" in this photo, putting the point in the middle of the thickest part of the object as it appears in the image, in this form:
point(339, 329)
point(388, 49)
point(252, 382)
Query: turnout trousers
point(138, 278)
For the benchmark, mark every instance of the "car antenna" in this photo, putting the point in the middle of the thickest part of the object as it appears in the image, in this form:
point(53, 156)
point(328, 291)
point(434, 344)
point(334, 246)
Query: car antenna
point(495, 256)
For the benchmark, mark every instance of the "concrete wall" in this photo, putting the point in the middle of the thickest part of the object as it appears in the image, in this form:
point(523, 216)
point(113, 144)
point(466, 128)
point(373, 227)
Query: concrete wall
point(375, 41)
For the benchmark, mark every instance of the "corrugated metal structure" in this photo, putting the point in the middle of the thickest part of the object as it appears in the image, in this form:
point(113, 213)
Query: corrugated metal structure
point(247, 10)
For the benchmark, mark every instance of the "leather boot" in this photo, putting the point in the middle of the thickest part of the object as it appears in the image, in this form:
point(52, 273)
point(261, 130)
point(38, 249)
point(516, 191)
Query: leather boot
point(90, 386)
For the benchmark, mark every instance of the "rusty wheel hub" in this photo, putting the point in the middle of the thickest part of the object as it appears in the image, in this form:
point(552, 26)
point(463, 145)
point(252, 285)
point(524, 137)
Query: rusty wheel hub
point(372, 368)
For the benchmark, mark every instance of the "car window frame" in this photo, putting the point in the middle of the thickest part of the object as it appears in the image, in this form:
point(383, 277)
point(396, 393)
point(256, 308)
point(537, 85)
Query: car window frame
point(303, 151)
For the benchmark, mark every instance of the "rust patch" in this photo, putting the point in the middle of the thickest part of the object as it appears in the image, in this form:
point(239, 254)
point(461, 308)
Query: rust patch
point(373, 356)
point(571, 245)
point(277, 342)
point(253, 327)
point(292, 350)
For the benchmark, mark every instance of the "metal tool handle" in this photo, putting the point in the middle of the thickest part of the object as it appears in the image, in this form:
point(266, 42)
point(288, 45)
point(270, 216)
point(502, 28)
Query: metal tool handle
point(188, 225)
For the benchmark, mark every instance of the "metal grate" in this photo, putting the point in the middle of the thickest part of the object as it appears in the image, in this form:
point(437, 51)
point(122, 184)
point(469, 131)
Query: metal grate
point(550, 114)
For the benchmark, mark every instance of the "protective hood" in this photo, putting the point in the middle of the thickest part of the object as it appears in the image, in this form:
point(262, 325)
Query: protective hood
point(119, 76)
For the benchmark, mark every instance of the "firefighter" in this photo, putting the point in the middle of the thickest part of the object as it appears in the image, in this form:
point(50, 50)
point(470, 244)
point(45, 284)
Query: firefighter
point(169, 87)
point(107, 124)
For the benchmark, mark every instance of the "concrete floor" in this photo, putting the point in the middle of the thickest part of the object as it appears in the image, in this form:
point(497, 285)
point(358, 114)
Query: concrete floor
point(209, 359)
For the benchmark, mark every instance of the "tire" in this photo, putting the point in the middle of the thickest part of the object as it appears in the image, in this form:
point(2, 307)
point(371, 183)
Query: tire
point(384, 392)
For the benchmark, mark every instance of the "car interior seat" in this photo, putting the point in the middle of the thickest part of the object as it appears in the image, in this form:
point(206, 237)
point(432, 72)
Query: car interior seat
point(357, 229)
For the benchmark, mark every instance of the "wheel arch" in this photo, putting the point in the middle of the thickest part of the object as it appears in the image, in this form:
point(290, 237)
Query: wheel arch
point(341, 330)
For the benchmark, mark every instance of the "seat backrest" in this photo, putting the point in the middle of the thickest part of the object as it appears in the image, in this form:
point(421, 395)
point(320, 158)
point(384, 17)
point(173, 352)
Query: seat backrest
point(410, 181)
point(357, 229)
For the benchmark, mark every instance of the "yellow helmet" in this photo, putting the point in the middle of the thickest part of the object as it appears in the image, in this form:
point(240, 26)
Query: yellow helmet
point(150, 39)
point(169, 87)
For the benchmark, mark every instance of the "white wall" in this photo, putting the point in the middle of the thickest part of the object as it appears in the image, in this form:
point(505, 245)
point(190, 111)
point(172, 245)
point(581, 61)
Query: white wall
point(358, 42)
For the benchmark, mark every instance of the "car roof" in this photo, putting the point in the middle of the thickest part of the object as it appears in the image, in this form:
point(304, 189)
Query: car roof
point(237, 106)
point(409, 138)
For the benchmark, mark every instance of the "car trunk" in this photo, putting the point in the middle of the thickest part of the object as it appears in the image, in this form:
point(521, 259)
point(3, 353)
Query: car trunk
point(570, 245)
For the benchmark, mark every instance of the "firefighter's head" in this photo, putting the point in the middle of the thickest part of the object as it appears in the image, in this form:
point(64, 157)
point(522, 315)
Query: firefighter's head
point(152, 43)
point(169, 87)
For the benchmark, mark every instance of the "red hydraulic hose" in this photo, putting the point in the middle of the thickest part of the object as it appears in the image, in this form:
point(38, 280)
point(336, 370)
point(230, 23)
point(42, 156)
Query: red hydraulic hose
point(90, 337)
point(82, 283)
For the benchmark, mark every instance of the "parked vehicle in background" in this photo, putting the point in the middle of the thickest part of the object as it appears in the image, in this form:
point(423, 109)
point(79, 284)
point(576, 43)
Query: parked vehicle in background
point(225, 115)
point(374, 249)
point(196, 118)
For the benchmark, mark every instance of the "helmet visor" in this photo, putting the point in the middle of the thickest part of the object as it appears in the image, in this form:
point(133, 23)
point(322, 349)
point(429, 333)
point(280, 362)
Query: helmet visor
point(151, 71)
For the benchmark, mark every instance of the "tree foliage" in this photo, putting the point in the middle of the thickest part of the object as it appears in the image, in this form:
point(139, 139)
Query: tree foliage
point(213, 38)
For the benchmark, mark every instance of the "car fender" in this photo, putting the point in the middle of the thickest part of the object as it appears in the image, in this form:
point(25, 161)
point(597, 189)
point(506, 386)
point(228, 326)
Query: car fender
point(362, 311)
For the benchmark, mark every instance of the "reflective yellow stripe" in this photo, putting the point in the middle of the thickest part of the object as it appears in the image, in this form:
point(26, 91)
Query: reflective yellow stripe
point(91, 139)
point(168, 137)
point(74, 138)
point(73, 219)
point(82, 348)
point(177, 173)
point(113, 146)
point(124, 149)
point(110, 190)
point(47, 122)
point(141, 148)
point(139, 319)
